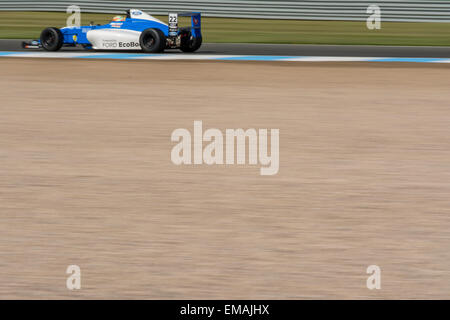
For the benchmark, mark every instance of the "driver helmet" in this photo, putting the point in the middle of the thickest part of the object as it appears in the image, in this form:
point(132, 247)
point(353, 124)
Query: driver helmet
point(118, 18)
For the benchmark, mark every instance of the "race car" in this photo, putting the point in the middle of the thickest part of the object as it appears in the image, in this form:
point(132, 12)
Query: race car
point(135, 31)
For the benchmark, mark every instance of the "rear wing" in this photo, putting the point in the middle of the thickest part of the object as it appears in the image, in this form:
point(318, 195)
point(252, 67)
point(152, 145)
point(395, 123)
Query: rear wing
point(196, 19)
point(196, 23)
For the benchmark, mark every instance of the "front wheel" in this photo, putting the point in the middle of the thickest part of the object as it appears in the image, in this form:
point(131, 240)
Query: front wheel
point(52, 39)
point(152, 41)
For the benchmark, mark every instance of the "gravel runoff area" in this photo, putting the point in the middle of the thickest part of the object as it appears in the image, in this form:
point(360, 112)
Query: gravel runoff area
point(87, 179)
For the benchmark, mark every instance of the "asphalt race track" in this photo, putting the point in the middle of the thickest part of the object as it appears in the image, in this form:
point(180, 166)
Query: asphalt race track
point(293, 50)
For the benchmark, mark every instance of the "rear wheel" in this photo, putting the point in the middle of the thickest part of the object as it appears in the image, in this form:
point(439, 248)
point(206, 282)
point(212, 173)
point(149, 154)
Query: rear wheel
point(52, 39)
point(152, 41)
point(189, 43)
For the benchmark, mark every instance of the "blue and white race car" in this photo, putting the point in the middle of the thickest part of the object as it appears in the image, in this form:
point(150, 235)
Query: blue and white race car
point(135, 31)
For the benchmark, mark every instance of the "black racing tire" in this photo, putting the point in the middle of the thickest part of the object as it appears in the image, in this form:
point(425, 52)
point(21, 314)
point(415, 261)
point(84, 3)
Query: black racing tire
point(152, 41)
point(189, 43)
point(52, 39)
